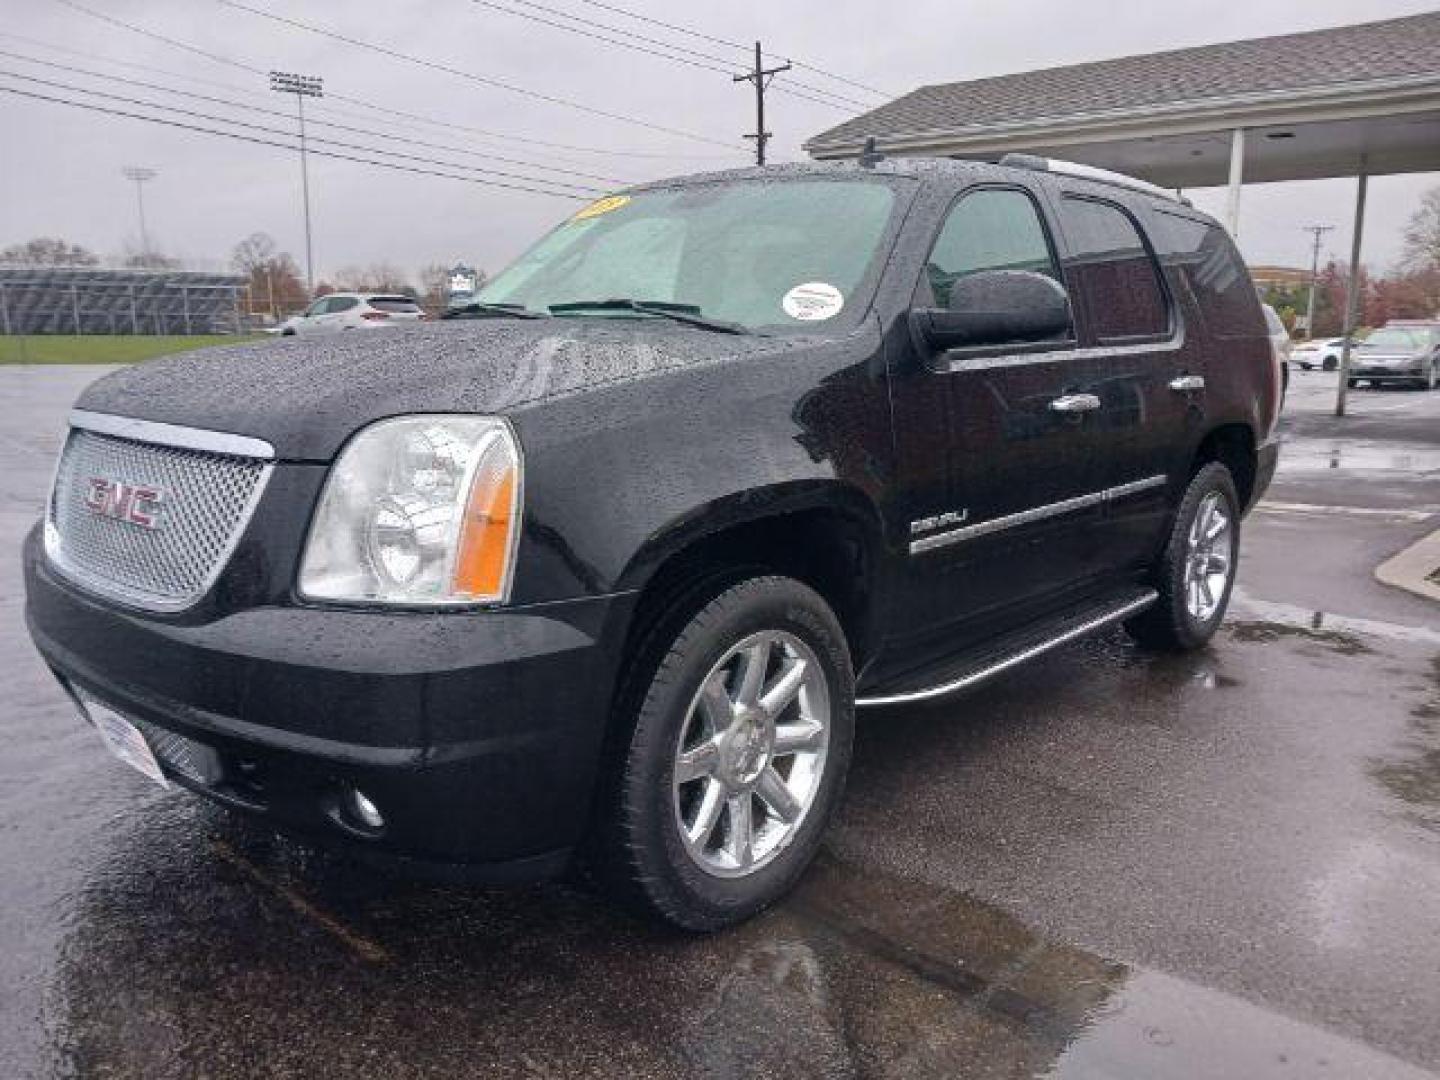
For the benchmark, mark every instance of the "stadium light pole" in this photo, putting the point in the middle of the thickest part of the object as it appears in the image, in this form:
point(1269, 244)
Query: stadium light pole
point(139, 175)
point(302, 86)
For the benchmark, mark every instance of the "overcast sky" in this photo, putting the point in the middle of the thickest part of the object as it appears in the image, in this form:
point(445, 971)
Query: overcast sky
point(60, 170)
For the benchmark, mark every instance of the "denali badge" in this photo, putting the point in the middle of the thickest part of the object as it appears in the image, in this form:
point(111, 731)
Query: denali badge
point(137, 504)
point(939, 521)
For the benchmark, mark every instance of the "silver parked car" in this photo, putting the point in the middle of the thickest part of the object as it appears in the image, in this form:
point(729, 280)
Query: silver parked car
point(352, 311)
point(1403, 350)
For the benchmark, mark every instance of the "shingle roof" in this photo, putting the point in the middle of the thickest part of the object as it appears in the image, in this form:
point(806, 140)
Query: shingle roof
point(1345, 54)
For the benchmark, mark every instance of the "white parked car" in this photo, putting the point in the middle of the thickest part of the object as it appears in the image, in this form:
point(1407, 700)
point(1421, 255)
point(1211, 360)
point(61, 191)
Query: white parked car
point(352, 311)
point(1280, 343)
point(1322, 355)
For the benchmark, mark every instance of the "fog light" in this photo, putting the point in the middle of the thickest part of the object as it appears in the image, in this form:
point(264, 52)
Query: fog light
point(363, 810)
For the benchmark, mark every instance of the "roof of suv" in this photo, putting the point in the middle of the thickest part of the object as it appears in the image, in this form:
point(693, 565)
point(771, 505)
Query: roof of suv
point(918, 168)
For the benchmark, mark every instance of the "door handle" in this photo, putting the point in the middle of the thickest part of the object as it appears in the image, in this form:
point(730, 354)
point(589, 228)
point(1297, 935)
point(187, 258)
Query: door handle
point(1075, 403)
point(1186, 383)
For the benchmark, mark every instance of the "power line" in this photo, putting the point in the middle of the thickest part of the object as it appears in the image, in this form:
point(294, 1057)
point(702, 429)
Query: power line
point(507, 137)
point(103, 17)
point(722, 65)
point(616, 9)
point(283, 146)
point(576, 190)
point(72, 69)
point(273, 131)
point(470, 75)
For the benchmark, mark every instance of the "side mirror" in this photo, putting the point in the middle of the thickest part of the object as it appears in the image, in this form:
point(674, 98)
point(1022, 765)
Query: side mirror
point(996, 307)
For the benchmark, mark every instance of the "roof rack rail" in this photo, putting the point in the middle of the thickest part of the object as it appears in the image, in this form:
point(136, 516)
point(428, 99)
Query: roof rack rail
point(1090, 172)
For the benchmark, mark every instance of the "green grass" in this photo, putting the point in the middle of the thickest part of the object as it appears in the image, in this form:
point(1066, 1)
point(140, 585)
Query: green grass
point(104, 348)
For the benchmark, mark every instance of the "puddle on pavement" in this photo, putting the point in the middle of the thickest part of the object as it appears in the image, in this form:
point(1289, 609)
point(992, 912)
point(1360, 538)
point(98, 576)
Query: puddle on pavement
point(1413, 774)
point(1345, 644)
point(177, 963)
point(1312, 622)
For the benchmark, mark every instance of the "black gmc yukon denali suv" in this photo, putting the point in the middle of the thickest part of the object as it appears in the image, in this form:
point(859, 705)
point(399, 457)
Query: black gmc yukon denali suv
point(607, 566)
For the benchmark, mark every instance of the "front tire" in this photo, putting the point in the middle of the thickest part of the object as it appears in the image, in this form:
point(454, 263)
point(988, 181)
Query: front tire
point(739, 742)
point(1196, 571)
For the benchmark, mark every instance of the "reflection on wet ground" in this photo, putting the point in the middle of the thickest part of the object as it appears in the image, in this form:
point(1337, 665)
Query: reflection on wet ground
point(1413, 775)
point(182, 963)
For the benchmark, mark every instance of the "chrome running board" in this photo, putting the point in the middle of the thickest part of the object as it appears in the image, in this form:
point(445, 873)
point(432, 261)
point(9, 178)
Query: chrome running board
point(964, 675)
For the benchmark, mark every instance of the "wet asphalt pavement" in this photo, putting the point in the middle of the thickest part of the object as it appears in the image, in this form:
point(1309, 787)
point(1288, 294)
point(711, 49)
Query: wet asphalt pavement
point(1107, 865)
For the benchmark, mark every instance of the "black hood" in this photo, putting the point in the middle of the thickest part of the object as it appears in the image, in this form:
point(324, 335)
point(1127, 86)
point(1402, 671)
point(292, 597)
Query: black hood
point(306, 396)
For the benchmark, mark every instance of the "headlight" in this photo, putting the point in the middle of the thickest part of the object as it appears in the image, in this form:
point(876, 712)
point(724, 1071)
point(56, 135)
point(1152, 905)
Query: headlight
point(420, 510)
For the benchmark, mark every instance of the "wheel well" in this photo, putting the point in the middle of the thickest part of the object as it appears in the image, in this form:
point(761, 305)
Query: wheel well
point(829, 550)
point(1234, 447)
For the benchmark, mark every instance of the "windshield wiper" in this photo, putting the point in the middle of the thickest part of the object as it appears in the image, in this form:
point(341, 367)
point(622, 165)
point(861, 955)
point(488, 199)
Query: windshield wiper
point(689, 314)
point(480, 309)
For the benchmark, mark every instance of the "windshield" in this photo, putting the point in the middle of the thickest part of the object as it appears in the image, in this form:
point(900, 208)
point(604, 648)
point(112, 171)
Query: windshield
point(1395, 337)
point(758, 253)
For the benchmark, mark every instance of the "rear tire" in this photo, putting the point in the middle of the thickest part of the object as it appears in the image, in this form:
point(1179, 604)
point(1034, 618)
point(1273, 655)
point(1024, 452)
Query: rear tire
point(1196, 572)
point(737, 743)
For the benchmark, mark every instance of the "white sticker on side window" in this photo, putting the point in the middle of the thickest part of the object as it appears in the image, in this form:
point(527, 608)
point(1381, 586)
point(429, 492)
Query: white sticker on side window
point(813, 301)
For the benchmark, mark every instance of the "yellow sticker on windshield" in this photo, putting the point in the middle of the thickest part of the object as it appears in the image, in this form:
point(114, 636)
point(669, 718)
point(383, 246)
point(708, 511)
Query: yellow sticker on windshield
point(602, 206)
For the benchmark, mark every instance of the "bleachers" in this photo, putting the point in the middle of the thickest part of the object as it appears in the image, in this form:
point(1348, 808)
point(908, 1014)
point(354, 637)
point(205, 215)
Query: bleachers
point(87, 300)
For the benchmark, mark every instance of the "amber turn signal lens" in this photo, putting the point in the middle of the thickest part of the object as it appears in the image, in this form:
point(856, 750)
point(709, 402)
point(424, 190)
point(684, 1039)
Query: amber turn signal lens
point(487, 536)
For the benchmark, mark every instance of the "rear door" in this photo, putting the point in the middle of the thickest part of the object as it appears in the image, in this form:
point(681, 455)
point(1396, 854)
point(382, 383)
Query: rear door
point(1142, 359)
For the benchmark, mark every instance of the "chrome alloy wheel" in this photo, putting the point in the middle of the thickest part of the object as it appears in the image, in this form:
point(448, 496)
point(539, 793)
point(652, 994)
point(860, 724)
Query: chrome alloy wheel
point(751, 753)
point(1208, 557)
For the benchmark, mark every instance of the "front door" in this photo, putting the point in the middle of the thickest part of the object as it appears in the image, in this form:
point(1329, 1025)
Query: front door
point(1003, 498)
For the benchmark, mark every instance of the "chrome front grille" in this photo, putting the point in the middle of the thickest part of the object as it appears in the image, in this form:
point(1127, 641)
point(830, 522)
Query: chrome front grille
point(169, 556)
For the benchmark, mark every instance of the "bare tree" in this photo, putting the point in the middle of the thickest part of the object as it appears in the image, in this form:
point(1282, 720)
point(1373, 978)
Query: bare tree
point(48, 251)
point(139, 259)
point(433, 279)
point(275, 283)
point(1422, 234)
point(377, 277)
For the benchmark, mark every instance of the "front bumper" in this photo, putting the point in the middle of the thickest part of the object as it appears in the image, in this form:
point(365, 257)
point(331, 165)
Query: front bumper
point(476, 734)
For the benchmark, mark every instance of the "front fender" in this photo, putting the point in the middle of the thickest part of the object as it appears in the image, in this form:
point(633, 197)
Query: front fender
point(621, 477)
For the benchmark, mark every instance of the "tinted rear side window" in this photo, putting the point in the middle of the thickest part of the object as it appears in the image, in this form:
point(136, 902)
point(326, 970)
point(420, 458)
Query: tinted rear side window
point(1114, 273)
point(393, 303)
point(1202, 253)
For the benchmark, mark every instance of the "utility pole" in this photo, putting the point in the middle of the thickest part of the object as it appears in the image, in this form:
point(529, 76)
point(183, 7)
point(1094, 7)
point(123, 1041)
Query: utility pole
point(302, 86)
point(1319, 231)
point(139, 175)
point(761, 77)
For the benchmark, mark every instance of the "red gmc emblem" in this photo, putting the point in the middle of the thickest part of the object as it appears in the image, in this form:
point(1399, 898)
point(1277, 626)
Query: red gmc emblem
point(137, 504)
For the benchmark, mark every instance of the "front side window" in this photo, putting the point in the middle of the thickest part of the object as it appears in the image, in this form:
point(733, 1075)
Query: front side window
point(1114, 272)
point(341, 303)
point(769, 254)
point(989, 229)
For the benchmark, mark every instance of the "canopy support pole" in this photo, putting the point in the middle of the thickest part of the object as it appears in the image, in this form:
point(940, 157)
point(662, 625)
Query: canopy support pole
point(1352, 289)
point(1237, 176)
